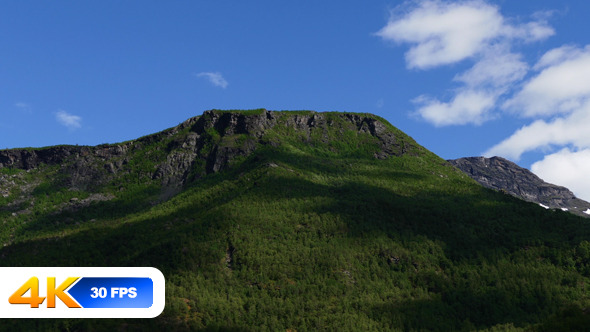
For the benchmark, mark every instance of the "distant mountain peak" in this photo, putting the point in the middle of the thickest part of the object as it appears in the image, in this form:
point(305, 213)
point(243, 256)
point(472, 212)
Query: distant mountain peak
point(501, 174)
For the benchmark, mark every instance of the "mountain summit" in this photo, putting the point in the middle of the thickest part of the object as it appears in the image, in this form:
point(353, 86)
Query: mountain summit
point(273, 221)
point(501, 174)
point(208, 144)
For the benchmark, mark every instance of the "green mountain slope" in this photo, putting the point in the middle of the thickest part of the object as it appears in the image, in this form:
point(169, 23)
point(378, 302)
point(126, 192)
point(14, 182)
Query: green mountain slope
point(295, 221)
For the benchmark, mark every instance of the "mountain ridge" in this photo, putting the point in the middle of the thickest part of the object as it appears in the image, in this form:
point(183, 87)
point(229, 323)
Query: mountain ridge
point(226, 123)
point(501, 174)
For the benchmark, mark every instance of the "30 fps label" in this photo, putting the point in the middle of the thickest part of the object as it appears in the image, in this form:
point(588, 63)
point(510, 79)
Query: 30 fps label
point(70, 292)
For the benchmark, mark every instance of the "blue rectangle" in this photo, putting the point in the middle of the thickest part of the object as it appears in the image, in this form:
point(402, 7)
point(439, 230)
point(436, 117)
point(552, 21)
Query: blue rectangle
point(113, 292)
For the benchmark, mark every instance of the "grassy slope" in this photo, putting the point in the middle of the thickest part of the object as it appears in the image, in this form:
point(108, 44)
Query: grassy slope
point(310, 235)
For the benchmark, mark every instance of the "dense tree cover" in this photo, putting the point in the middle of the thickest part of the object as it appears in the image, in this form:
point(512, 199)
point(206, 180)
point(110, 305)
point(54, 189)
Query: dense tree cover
point(314, 233)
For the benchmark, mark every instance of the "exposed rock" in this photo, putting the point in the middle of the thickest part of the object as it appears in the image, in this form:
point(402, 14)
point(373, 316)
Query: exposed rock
point(76, 203)
point(389, 144)
point(200, 145)
point(227, 148)
point(501, 174)
point(176, 168)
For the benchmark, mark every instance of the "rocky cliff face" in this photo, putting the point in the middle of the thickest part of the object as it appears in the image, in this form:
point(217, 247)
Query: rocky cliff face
point(500, 174)
point(201, 145)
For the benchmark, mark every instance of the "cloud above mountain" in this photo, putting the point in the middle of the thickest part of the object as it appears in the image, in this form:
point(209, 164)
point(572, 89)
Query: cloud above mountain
point(568, 168)
point(214, 78)
point(444, 33)
point(560, 87)
point(69, 120)
point(551, 91)
point(558, 99)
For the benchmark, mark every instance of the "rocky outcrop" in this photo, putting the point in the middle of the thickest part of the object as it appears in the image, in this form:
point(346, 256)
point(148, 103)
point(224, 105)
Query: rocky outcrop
point(389, 144)
point(211, 141)
point(500, 174)
point(232, 123)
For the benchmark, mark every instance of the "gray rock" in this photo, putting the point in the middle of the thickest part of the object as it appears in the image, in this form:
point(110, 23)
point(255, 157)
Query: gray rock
point(501, 174)
point(200, 145)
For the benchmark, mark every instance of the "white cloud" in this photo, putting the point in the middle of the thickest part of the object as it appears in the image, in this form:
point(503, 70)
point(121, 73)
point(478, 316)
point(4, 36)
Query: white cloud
point(567, 168)
point(442, 33)
point(497, 68)
point(560, 90)
point(529, 32)
point(214, 78)
point(557, 56)
point(562, 86)
point(569, 130)
point(68, 120)
point(483, 84)
point(466, 107)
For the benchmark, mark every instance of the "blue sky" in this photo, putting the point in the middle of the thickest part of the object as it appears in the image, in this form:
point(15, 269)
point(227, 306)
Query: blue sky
point(464, 78)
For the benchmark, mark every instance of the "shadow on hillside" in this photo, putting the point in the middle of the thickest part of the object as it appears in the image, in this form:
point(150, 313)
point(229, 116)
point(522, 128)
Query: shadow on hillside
point(129, 203)
point(474, 226)
point(467, 308)
point(479, 224)
point(324, 163)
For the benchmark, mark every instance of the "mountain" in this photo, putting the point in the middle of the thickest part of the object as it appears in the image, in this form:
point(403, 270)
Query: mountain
point(501, 174)
point(267, 221)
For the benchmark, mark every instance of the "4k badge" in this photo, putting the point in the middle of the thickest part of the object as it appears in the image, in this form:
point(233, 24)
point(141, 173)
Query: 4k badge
point(71, 292)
